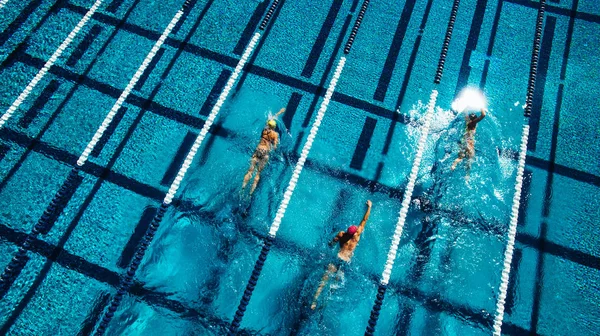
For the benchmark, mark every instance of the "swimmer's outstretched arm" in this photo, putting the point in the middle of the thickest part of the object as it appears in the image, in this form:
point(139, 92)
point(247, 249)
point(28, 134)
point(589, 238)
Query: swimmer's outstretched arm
point(361, 227)
point(280, 112)
point(481, 116)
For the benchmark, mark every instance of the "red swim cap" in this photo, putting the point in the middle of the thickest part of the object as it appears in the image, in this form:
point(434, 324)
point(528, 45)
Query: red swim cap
point(352, 229)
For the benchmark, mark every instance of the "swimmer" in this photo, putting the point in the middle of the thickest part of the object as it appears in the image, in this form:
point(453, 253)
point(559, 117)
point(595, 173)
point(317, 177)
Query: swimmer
point(467, 146)
point(348, 241)
point(269, 140)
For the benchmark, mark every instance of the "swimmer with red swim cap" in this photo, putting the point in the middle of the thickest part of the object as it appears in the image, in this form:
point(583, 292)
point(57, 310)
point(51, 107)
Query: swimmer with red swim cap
point(348, 241)
point(269, 139)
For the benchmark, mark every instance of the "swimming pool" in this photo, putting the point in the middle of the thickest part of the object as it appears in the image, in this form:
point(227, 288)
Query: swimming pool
point(447, 272)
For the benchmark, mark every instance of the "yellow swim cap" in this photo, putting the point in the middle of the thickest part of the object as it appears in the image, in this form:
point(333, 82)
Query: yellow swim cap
point(272, 123)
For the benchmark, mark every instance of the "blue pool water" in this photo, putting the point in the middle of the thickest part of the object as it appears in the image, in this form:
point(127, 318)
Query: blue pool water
point(447, 273)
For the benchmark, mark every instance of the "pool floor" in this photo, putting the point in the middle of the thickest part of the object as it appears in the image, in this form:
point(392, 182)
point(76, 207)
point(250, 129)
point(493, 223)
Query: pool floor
point(448, 269)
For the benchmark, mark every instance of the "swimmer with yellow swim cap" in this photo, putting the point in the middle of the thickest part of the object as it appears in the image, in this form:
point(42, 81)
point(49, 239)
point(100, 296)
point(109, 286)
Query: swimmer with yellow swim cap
point(269, 140)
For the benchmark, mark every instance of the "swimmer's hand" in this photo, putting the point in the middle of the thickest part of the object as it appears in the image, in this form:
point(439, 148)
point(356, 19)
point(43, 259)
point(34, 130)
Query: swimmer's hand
point(369, 203)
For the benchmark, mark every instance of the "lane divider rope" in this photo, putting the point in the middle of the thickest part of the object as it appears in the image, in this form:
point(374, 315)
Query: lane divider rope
point(235, 324)
point(391, 257)
point(535, 57)
point(127, 279)
point(446, 45)
point(512, 228)
point(512, 232)
point(269, 14)
point(64, 45)
point(357, 23)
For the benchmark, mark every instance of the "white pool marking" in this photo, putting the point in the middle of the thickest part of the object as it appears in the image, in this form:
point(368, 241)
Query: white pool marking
point(512, 232)
point(209, 121)
point(15, 105)
point(2, 3)
point(136, 77)
point(389, 264)
point(306, 149)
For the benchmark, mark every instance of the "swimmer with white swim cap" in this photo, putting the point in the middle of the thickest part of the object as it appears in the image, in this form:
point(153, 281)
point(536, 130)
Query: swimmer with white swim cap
point(467, 146)
point(269, 140)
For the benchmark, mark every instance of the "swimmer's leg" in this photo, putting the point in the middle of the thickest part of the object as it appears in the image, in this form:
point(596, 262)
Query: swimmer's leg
point(260, 166)
point(456, 162)
point(470, 156)
point(330, 270)
point(253, 162)
point(467, 176)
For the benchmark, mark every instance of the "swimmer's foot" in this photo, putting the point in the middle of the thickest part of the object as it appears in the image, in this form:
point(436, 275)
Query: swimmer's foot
point(313, 306)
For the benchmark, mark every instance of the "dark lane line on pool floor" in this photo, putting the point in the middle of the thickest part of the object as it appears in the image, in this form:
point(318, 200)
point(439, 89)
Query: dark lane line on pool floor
point(19, 21)
point(87, 327)
point(546, 205)
point(215, 92)
point(290, 110)
point(363, 144)
point(114, 6)
point(3, 151)
point(320, 91)
point(472, 39)
point(317, 49)
point(394, 51)
point(250, 27)
point(136, 237)
point(250, 64)
point(177, 161)
point(110, 130)
point(540, 85)
point(526, 195)
point(320, 88)
point(38, 105)
point(491, 42)
point(84, 45)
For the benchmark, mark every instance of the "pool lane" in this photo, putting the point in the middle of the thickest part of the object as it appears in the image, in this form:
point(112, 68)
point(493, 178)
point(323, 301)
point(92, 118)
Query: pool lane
point(345, 157)
point(551, 209)
point(70, 228)
point(460, 263)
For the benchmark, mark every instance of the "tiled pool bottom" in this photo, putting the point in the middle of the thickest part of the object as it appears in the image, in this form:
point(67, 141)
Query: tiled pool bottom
point(438, 288)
